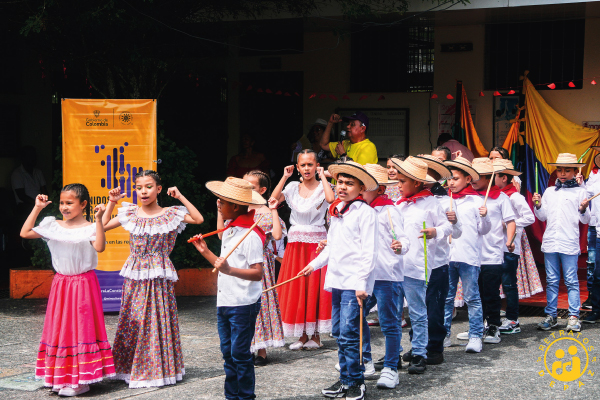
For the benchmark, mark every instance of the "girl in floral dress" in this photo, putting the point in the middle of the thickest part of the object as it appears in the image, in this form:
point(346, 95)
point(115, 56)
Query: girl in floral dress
point(305, 306)
point(393, 192)
point(147, 347)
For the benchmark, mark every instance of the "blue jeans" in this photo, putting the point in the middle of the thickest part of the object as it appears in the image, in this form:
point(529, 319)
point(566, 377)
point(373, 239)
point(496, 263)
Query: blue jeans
point(236, 330)
point(415, 291)
point(591, 260)
point(595, 292)
point(509, 285)
point(345, 325)
point(553, 262)
point(469, 275)
point(385, 295)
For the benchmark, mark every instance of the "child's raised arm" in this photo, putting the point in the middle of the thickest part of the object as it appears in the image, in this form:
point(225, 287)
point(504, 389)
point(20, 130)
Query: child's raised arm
point(100, 242)
point(329, 195)
point(114, 196)
point(276, 232)
point(41, 201)
point(287, 173)
point(194, 216)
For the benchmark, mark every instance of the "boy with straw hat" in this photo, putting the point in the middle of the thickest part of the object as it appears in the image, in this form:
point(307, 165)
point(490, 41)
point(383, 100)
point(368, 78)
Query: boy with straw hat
point(501, 215)
point(523, 217)
point(351, 254)
point(424, 219)
point(562, 207)
point(593, 178)
point(593, 187)
point(465, 252)
point(239, 282)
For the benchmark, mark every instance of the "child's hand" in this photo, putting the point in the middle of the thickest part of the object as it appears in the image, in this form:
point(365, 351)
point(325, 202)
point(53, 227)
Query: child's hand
point(583, 205)
point(273, 203)
point(360, 296)
point(99, 211)
point(482, 211)
point(41, 201)
point(321, 246)
point(537, 200)
point(222, 265)
point(510, 246)
point(579, 178)
point(306, 271)
point(396, 246)
point(321, 172)
point(174, 192)
point(451, 217)
point(200, 244)
point(288, 171)
point(430, 233)
point(115, 195)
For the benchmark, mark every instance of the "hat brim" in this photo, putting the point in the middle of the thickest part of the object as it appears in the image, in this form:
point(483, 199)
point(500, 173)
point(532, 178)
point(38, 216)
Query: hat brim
point(464, 167)
point(345, 168)
point(509, 171)
point(404, 172)
point(596, 148)
point(568, 165)
point(388, 183)
point(216, 188)
point(437, 166)
point(496, 169)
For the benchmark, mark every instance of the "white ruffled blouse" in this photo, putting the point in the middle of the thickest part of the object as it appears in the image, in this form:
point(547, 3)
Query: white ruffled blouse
point(71, 249)
point(151, 240)
point(308, 214)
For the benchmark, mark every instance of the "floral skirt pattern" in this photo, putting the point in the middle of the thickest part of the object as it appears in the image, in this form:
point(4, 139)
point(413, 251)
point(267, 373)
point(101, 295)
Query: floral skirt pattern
point(147, 347)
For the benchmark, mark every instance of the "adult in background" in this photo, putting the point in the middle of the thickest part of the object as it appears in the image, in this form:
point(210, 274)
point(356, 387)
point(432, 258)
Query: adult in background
point(248, 160)
point(307, 141)
point(446, 140)
point(357, 146)
point(27, 181)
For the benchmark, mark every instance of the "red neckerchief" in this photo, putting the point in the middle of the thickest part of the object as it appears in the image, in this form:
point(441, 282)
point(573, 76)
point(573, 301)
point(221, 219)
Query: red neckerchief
point(509, 189)
point(467, 191)
point(494, 192)
point(413, 199)
point(595, 170)
point(381, 200)
point(246, 221)
point(334, 212)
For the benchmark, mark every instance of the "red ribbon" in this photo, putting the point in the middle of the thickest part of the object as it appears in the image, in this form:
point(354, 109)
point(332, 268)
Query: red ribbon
point(381, 200)
point(246, 221)
point(413, 199)
point(509, 189)
point(467, 191)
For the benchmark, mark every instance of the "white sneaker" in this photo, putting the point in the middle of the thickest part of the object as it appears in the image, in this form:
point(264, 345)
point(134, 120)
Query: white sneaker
point(296, 346)
point(388, 379)
point(404, 323)
point(337, 366)
point(463, 336)
point(573, 324)
point(312, 345)
point(70, 392)
point(474, 345)
point(447, 341)
point(369, 369)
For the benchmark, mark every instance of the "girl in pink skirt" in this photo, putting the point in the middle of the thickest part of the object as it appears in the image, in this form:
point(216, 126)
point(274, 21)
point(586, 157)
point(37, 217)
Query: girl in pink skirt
point(74, 350)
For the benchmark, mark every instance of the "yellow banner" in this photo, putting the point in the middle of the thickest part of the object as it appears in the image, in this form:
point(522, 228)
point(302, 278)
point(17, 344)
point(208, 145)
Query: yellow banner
point(105, 143)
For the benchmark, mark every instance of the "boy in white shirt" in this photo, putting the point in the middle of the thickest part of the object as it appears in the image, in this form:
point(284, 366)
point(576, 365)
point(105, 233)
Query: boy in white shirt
point(500, 213)
point(593, 187)
point(351, 254)
point(465, 252)
point(523, 217)
point(562, 207)
point(239, 283)
point(418, 206)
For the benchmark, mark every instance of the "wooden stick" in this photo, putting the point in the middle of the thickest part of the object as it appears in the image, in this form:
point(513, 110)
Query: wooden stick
point(513, 238)
point(242, 239)
point(488, 189)
point(450, 237)
point(593, 197)
point(360, 356)
point(391, 223)
point(194, 239)
point(282, 283)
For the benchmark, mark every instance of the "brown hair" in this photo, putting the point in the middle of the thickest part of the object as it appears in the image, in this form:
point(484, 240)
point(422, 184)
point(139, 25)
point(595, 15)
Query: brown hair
point(263, 181)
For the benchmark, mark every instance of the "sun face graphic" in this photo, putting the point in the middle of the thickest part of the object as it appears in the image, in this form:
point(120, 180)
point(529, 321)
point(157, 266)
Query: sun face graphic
point(126, 118)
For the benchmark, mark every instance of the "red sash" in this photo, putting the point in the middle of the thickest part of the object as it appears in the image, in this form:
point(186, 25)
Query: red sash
point(334, 212)
point(467, 191)
point(509, 189)
point(413, 199)
point(246, 221)
point(494, 192)
point(381, 200)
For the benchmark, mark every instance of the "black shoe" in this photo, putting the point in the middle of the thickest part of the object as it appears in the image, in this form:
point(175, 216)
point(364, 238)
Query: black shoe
point(406, 357)
point(418, 365)
point(356, 392)
point(587, 304)
point(336, 390)
point(260, 361)
point(379, 364)
point(399, 363)
point(434, 358)
point(591, 318)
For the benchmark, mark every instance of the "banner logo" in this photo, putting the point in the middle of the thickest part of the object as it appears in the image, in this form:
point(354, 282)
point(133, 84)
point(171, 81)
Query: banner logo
point(126, 118)
point(118, 173)
point(96, 113)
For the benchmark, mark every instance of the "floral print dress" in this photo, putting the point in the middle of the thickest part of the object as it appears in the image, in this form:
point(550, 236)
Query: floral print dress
point(147, 347)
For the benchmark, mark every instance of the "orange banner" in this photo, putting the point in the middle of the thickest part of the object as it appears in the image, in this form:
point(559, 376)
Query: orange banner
point(105, 143)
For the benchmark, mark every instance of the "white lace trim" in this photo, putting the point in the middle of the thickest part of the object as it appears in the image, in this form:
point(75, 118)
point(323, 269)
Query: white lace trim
point(307, 233)
point(49, 229)
point(267, 343)
point(459, 303)
point(76, 385)
point(536, 291)
point(127, 215)
point(139, 275)
point(169, 380)
point(297, 330)
point(301, 204)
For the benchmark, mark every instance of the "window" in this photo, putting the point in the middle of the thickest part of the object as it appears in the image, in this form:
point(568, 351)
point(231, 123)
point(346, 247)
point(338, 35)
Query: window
point(392, 58)
point(552, 51)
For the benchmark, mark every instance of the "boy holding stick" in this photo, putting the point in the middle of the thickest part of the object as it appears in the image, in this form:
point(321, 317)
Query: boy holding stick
point(351, 254)
point(239, 282)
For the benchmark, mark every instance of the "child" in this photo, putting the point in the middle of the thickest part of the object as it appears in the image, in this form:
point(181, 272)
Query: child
point(562, 207)
point(593, 178)
point(465, 252)
point(393, 191)
point(147, 344)
point(593, 187)
point(240, 287)
point(523, 217)
point(74, 350)
point(351, 252)
point(305, 306)
point(500, 213)
point(418, 206)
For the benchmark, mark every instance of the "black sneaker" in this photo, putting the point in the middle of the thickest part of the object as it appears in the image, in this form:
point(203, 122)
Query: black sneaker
point(399, 363)
point(434, 358)
point(418, 365)
point(548, 323)
point(356, 392)
point(407, 356)
point(379, 364)
point(336, 390)
point(591, 318)
point(587, 304)
point(260, 361)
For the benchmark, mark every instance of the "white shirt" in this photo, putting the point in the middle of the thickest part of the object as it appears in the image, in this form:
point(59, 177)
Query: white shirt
point(523, 217)
point(467, 248)
point(21, 179)
point(560, 210)
point(592, 189)
point(307, 219)
point(351, 251)
point(390, 265)
point(442, 252)
point(425, 209)
point(234, 291)
point(500, 212)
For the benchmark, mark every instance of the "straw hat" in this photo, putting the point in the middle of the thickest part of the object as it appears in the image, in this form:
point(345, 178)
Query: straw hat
point(567, 160)
point(356, 170)
point(464, 165)
point(509, 169)
point(436, 164)
point(413, 167)
point(380, 174)
point(235, 190)
point(484, 166)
